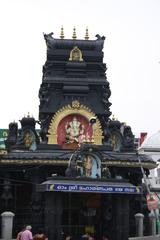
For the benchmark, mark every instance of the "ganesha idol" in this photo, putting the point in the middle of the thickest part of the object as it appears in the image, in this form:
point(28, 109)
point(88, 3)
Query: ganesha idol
point(75, 131)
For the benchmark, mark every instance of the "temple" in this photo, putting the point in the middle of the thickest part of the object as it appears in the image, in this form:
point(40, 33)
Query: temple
point(79, 172)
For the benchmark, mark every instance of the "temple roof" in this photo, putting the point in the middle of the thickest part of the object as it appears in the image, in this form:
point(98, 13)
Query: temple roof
point(61, 157)
point(69, 43)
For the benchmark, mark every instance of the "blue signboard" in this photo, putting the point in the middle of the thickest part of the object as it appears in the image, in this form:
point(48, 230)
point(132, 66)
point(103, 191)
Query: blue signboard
point(62, 187)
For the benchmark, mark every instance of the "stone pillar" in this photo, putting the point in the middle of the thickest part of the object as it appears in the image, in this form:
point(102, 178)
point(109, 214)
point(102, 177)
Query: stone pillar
point(7, 225)
point(139, 224)
point(152, 223)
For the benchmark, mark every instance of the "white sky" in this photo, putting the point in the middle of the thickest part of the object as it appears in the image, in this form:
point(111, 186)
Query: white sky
point(131, 51)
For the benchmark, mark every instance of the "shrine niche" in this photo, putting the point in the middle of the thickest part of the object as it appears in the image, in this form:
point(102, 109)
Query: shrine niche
point(91, 166)
point(71, 124)
point(76, 55)
point(88, 166)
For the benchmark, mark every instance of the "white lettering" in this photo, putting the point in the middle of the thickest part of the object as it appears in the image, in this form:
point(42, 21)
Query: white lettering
point(72, 188)
point(119, 189)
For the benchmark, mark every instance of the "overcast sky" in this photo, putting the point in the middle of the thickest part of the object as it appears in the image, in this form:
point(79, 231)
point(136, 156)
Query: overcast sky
point(131, 52)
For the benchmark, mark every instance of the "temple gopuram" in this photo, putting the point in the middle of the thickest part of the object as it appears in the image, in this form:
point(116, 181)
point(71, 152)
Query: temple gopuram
point(80, 171)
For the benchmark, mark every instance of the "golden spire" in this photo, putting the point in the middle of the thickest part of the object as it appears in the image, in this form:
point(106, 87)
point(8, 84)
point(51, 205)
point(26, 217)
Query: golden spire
point(74, 36)
point(62, 33)
point(86, 35)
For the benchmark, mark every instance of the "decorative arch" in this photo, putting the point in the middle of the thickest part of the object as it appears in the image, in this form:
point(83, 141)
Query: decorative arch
point(75, 54)
point(74, 109)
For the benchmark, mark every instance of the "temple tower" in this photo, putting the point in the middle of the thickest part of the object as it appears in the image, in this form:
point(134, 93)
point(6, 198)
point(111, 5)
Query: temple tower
point(74, 71)
point(81, 172)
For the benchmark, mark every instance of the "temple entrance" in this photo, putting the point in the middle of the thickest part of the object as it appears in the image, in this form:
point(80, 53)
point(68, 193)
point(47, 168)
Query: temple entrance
point(68, 211)
point(81, 213)
point(77, 207)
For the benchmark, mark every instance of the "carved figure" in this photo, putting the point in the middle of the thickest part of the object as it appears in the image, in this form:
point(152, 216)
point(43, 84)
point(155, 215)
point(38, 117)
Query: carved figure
point(74, 131)
point(72, 170)
point(12, 135)
point(106, 172)
point(87, 166)
point(28, 139)
point(128, 137)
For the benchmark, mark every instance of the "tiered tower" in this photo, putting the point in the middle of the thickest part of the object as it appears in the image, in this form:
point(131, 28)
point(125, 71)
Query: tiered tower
point(74, 71)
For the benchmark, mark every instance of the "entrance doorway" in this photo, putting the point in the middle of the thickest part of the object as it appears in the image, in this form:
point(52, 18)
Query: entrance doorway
point(76, 213)
point(81, 214)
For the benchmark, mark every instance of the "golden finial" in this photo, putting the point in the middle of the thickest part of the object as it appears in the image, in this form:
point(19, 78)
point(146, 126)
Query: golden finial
point(62, 33)
point(86, 35)
point(74, 36)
